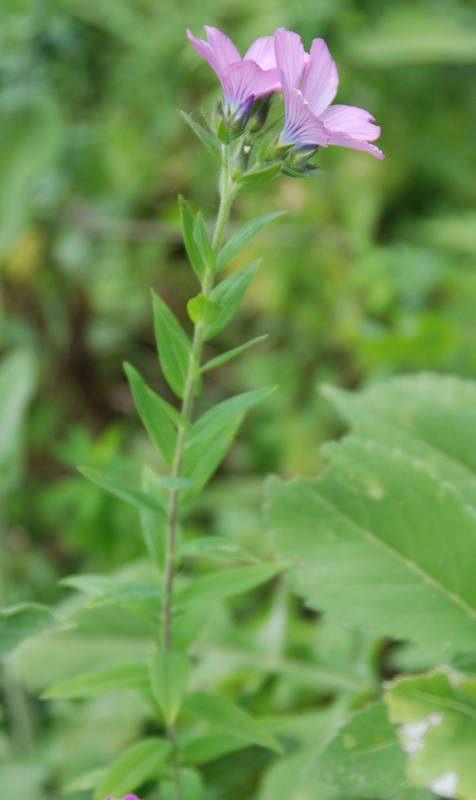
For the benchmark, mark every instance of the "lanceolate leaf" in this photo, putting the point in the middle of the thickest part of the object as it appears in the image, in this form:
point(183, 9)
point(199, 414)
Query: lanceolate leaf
point(153, 414)
point(224, 357)
point(228, 294)
point(154, 527)
point(203, 242)
point(240, 239)
point(227, 583)
point(436, 713)
point(116, 679)
point(208, 140)
point(22, 621)
point(211, 436)
point(380, 543)
point(216, 547)
point(191, 246)
point(137, 764)
point(259, 175)
point(231, 718)
point(124, 491)
point(173, 345)
point(169, 675)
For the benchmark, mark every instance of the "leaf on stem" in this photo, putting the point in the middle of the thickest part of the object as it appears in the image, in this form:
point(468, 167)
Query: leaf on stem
point(227, 583)
point(203, 242)
point(241, 238)
point(137, 764)
point(173, 345)
point(154, 527)
point(259, 175)
point(228, 295)
point(22, 621)
point(191, 783)
point(203, 310)
point(122, 677)
point(224, 357)
point(169, 675)
point(153, 413)
point(206, 138)
point(216, 547)
point(191, 246)
point(124, 491)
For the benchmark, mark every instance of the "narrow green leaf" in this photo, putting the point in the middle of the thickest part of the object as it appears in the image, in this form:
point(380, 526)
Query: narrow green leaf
point(224, 357)
point(151, 410)
point(123, 490)
point(228, 294)
point(210, 746)
point(169, 675)
point(92, 585)
point(22, 621)
point(216, 547)
point(203, 242)
point(191, 783)
point(174, 484)
point(128, 592)
point(154, 527)
point(222, 132)
point(206, 138)
point(259, 175)
point(227, 583)
point(173, 345)
point(191, 246)
point(230, 718)
point(137, 764)
point(212, 434)
point(116, 679)
point(201, 309)
point(241, 238)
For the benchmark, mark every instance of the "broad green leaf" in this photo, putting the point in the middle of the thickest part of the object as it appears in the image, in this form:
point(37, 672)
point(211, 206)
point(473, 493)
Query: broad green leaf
point(208, 140)
point(364, 757)
point(260, 175)
point(240, 239)
point(169, 676)
point(227, 582)
point(191, 784)
point(211, 436)
point(202, 310)
point(430, 417)
point(230, 718)
point(22, 621)
point(436, 713)
point(191, 246)
point(216, 547)
point(137, 764)
point(382, 544)
point(173, 345)
point(151, 410)
point(116, 679)
point(18, 377)
point(224, 357)
point(154, 527)
point(203, 243)
point(228, 295)
point(124, 491)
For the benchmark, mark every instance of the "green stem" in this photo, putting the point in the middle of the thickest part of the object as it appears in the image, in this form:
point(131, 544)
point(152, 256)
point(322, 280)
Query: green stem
point(228, 190)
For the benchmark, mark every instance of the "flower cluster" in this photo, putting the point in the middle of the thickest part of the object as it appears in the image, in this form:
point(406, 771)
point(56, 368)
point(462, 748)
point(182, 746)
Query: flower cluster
point(309, 83)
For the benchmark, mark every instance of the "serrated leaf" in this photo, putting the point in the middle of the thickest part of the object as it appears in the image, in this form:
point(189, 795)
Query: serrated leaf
point(153, 414)
point(191, 246)
point(227, 583)
point(124, 491)
point(203, 310)
point(383, 545)
point(208, 140)
point(137, 764)
point(261, 175)
point(154, 527)
point(364, 757)
point(224, 357)
point(436, 713)
point(228, 295)
point(116, 679)
point(211, 436)
point(173, 345)
point(203, 243)
point(19, 622)
point(230, 718)
point(169, 675)
point(216, 547)
point(241, 238)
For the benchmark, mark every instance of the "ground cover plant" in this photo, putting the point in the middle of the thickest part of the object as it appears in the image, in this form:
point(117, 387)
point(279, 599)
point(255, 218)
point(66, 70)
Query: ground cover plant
point(198, 646)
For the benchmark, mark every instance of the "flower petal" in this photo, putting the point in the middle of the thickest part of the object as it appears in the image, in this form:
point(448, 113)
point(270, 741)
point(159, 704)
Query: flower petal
point(290, 54)
point(245, 79)
point(301, 126)
point(225, 51)
point(206, 52)
point(321, 80)
point(262, 51)
point(352, 127)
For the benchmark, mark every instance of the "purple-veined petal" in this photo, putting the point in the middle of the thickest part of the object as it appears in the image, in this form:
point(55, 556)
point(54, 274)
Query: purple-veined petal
point(225, 51)
point(262, 51)
point(289, 51)
point(321, 80)
point(206, 52)
point(352, 127)
point(301, 126)
point(245, 79)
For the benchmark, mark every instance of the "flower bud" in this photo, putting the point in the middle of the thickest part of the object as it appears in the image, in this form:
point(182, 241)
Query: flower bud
point(259, 112)
point(277, 151)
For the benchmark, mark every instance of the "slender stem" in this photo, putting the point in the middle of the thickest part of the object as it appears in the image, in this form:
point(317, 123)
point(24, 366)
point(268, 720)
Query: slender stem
point(227, 192)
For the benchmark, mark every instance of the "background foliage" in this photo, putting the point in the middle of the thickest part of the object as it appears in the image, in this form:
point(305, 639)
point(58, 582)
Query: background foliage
point(371, 273)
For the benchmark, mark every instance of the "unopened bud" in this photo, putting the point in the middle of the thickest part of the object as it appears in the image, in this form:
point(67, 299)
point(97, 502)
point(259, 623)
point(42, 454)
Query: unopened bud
point(259, 112)
point(277, 151)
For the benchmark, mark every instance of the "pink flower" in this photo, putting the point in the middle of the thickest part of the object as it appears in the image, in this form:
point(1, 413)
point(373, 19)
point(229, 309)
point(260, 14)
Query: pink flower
point(309, 117)
point(242, 79)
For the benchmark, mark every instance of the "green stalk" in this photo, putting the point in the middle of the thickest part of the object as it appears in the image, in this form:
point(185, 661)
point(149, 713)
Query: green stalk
point(228, 190)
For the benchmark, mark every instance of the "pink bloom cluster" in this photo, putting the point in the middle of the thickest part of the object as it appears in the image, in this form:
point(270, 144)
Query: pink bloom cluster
point(309, 83)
